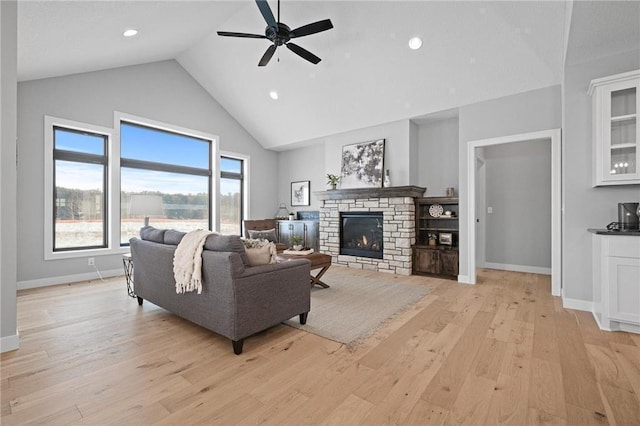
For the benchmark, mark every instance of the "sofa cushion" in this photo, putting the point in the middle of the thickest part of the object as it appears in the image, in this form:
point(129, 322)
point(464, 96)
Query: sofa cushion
point(260, 251)
point(173, 237)
point(267, 234)
point(219, 242)
point(150, 233)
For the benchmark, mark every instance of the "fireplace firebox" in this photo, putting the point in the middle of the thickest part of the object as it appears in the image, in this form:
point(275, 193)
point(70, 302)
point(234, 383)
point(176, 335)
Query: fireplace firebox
point(361, 234)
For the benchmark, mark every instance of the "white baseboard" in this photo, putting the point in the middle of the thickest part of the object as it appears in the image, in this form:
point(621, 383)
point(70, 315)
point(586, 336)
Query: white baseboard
point(64, 279)
point(10, 343)
point(577, 304)
point(518, 268)
point(464, 279)
point(629, 328)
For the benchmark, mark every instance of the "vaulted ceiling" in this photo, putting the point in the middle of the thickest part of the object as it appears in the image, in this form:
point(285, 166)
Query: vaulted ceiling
point(471, 51)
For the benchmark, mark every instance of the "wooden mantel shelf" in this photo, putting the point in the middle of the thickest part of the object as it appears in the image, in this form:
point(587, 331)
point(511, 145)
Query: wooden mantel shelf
point(355, 193)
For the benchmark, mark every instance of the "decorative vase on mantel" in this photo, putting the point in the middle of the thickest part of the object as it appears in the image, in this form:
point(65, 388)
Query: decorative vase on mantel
point(387, 179)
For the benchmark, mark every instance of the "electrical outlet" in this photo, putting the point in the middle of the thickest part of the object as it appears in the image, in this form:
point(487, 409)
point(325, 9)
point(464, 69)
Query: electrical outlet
point(92, 261)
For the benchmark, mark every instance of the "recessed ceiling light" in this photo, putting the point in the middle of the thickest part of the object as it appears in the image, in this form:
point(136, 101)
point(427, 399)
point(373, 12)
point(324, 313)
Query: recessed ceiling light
point(273, 94)
point(415, 43)
point(130, 33)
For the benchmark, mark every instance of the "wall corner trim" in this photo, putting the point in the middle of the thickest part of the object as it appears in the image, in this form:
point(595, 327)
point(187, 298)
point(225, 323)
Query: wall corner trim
point(10, 343)
point(577, 304)
point(464, 279)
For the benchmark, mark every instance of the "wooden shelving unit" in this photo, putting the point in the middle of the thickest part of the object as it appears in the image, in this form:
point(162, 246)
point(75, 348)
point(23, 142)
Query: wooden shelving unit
point(431, 255)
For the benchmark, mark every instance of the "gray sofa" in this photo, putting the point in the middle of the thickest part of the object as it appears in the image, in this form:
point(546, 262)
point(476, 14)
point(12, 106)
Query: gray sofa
point(237, 300)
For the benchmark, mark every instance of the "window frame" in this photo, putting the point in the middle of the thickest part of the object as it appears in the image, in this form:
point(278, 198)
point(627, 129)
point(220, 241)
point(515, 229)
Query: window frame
point(82, 158)
point(51, 123)
point(214, 179)
point(244, 185)
point(112, 190)
point(165, 167)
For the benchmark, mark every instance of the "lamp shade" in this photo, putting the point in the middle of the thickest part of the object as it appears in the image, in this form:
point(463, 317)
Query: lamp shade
point(146, 205)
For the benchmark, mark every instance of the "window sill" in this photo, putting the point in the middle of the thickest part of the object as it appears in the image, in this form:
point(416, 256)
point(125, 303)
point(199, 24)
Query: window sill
point(75, 254)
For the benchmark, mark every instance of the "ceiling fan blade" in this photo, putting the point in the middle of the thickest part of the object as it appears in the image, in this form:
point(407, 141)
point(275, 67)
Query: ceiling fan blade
point(267, 14)
point(267, 56)
point(244, 35)
point(304, 53)
point(313, 28)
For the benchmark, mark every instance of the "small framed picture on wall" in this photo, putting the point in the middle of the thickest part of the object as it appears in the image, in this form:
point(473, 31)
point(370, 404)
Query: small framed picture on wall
point(300, 193)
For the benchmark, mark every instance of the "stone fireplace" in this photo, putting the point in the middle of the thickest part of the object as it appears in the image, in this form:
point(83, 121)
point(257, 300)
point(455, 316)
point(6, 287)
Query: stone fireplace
point(390, 211)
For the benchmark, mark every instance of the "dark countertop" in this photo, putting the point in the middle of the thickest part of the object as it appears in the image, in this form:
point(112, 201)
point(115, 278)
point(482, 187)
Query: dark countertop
point(621, 233)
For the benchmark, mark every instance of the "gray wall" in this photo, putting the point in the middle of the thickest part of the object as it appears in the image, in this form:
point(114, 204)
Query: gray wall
point(161, 91)
point(324, 155)
point(518, 189)
point(299, 165)
point(438, 156)
point(8, 236)
point(516, 114)
point(414, 153)
point(584, 206)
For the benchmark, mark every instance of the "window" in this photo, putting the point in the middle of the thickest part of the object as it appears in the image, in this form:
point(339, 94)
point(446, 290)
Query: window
point(170, 165)
point(79, 201)
point(92, 176)
point(231, 195)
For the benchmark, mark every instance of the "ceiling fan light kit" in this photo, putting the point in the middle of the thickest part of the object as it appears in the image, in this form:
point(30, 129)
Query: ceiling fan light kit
point(280, 34)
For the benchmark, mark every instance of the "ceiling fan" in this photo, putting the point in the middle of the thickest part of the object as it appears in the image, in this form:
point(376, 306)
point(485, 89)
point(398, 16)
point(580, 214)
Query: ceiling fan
point(279, 34)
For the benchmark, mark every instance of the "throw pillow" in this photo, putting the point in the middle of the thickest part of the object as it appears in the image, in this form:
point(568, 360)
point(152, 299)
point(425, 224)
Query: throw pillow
point(150, 233)
point(260, 252)
point(267, 234)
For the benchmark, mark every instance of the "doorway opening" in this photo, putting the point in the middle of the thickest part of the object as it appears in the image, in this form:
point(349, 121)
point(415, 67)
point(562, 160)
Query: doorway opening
point(554, 136)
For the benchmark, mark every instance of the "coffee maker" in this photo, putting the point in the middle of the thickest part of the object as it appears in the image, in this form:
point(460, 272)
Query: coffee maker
point(628, 219)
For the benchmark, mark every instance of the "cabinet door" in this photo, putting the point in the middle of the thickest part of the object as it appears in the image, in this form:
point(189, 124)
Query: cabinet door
point(448, 263)
point(616, 131)
point(312, 234)
point(284, 232)
point(624, 289)
point(426, 261)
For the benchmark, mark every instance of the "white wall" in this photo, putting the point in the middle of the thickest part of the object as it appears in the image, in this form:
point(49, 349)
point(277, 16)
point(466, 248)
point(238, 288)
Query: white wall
point(8, 211)
point(438, 156)
point(516, 114)
point(161, 91)
point(518, 190)
point(584, 206)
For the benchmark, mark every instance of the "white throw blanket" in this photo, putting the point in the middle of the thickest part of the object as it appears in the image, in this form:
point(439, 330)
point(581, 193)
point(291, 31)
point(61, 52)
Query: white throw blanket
point(187, 262)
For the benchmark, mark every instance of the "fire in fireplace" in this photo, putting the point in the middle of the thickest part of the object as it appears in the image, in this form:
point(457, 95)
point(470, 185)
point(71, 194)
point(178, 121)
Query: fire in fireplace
point(361, 234)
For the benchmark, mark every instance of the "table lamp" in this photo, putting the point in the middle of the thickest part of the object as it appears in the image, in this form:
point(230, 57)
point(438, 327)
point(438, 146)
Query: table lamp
point(146, 205)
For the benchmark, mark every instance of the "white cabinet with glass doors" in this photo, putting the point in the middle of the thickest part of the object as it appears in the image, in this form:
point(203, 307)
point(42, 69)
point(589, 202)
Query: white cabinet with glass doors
point(616, 104)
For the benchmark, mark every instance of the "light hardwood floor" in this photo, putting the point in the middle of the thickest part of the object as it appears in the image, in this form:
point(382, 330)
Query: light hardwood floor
point(501, 352)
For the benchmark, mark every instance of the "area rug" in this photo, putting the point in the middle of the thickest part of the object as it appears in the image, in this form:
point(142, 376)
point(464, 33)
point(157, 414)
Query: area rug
point(354, 307)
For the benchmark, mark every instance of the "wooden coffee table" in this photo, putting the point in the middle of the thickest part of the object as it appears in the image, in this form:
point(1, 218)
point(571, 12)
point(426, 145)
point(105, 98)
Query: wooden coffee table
point(318, 261)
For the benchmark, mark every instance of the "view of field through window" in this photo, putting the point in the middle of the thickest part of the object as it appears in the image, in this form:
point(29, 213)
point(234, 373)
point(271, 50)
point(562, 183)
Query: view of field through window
point(184, 186)
point(80, 166)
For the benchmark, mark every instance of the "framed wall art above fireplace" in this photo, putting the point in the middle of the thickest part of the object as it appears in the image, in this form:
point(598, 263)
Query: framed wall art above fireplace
point(363, 165)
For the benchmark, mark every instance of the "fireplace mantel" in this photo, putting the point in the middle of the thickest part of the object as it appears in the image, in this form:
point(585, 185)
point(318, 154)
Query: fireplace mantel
point(357, 193)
